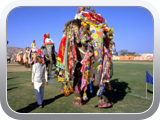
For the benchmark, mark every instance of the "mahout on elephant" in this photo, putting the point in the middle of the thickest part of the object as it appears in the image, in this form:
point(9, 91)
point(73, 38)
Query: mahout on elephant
point(85, 58)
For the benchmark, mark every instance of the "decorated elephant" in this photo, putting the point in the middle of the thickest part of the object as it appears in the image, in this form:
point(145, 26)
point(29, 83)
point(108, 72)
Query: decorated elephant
point(20, 57)
point(13, 58)
point(48, 52)
point(26, 57)
point(32, 56)
point(86, 59)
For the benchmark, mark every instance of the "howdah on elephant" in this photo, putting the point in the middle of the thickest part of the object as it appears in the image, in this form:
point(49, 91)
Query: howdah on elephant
point(87, 62)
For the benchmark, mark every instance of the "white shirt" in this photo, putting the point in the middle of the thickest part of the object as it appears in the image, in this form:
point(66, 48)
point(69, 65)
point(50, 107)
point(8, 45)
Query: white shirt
point(39, 73)
point(48, 40)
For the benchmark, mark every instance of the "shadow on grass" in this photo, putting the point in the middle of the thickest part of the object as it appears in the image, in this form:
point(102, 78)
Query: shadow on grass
point(11, 78)
point(11, 88)
point(119, 93)
point(34, 105)
point(113, 96)
point(149, 91)
point(15, 84)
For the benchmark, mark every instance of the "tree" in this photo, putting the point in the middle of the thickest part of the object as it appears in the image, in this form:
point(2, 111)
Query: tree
point(131, 53)
point(123, 52)
point(116, 54)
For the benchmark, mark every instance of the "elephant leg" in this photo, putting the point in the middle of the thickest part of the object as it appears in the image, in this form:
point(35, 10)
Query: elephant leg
point(103, 101)
point(49, 70)
point(78, 96)
point(97, 80)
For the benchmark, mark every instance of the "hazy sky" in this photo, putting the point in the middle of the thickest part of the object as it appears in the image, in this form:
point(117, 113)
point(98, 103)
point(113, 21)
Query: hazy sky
point(133, 26)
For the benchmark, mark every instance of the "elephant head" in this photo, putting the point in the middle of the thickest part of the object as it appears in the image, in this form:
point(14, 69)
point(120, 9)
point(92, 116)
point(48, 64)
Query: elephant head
point(49, 56)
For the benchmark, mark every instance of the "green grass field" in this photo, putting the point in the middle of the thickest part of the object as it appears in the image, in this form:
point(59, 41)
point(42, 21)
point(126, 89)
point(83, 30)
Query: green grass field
point(128, 97)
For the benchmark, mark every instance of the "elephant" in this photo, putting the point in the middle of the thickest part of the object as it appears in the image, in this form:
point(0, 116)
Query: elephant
point(91, 63)
point(26, 57)
point(48, 51)
point(20, 57)
point(32, 56)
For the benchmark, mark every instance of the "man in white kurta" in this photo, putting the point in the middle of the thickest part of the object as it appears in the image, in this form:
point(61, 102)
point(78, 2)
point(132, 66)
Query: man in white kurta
point(47, 38)
point(39, 75)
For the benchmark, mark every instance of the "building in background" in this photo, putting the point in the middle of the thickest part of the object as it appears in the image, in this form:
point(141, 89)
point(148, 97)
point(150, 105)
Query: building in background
point(144, 56)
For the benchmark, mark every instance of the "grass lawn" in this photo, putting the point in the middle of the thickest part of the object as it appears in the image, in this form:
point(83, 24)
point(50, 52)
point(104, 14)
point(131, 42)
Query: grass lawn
point(128, 97)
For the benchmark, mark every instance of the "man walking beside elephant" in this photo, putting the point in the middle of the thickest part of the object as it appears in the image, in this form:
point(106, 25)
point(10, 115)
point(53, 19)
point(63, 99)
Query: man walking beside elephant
point(39, 75)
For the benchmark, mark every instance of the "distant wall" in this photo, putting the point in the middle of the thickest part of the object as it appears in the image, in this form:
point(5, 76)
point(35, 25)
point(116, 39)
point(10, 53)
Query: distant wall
point(126, 57)
point(132, 58)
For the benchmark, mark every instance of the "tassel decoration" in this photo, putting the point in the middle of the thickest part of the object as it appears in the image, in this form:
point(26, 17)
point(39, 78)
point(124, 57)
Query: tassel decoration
point(91, 91)
point(66, 91)
point(85, 96)
point(71, 88)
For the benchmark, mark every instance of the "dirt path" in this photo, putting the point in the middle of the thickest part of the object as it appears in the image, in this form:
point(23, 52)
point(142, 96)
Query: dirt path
point(12, 64)
point(17, 69)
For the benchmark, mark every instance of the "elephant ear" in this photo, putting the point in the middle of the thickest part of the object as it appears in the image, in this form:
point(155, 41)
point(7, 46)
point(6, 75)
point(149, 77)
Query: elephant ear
point(75, 28)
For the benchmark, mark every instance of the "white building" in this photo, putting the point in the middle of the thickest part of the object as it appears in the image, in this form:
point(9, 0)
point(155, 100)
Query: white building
point(147, 54)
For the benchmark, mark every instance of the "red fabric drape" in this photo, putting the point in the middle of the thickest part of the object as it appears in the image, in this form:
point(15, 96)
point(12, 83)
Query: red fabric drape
point(61, 49)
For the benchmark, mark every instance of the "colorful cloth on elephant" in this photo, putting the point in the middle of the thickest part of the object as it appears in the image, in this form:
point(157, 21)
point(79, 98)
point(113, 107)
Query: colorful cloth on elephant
point(61, 52)
point(65, 58)
point(49, 50)
point(83, 83)
point(48, 43)
point(72, 59)
point(96, 18)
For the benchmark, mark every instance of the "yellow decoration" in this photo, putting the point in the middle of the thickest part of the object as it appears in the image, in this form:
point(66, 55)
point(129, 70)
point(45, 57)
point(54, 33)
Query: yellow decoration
point(77, 98)
point(112, 29)
point(59, 58)
point(105, 20)
point(61, 79)
point(55, 76)
point(66, 91)
point(80, 18)
point(108, 29)
point(93, 24)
